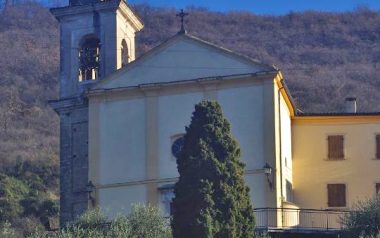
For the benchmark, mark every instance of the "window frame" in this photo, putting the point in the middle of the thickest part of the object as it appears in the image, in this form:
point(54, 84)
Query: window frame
point(377, 146)
point(330, 158)
point(345, 196)
point(377, 189)
point(173, 138)
point(289, 197)
point(163, 192)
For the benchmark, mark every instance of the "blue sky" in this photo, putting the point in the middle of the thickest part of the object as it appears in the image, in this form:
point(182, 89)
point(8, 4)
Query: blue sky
point(276, 7)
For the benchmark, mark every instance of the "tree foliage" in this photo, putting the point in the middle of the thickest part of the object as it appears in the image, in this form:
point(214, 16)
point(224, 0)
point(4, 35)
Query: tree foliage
point(211, 198)
point(144, 221)
point(364, 220)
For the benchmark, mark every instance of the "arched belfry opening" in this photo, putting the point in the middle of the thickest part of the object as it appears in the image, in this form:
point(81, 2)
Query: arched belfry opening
point(124, 53)
point(89, 58)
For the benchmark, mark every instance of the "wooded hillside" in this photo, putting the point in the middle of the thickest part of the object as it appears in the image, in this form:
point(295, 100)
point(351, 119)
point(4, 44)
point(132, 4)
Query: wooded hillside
point(324, 57)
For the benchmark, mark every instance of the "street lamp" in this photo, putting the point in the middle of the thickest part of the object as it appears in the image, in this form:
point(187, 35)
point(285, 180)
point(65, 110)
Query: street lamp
point(90, 188)
point(268, 172)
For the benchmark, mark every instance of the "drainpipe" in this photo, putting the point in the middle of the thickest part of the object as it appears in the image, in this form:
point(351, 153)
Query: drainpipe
point(280, 141)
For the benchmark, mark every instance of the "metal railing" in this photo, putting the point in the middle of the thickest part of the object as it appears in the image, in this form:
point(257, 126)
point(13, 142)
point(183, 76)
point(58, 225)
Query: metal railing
point(299, 219)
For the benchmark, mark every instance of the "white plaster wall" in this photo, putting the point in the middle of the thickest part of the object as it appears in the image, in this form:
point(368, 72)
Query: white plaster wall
point(122, 141)
point(243, 107)
point(183, 59)
point(124, 31)
point(122, 122)
point(119, 200)
point(286, 144)
point(173, 115)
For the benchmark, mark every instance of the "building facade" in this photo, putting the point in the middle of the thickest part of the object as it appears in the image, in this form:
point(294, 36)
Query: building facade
point(122, 122)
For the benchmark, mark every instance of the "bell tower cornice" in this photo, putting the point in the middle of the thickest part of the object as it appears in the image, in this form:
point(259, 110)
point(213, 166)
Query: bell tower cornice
point(113, 5)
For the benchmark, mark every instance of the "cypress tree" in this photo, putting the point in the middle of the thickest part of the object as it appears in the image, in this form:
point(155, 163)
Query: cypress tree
point(211, 198)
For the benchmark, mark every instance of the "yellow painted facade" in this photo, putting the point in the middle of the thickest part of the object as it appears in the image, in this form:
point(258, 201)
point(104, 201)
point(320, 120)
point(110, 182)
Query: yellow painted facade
point(359, 170)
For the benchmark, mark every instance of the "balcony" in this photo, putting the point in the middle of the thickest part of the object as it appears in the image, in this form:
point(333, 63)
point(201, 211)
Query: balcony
point(299, 220)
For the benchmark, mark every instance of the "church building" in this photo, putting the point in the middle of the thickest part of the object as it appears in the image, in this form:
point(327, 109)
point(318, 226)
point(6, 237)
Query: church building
point(122, 122)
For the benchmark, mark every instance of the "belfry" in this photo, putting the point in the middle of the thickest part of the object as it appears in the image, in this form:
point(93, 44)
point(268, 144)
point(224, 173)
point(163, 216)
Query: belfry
point(97, 38)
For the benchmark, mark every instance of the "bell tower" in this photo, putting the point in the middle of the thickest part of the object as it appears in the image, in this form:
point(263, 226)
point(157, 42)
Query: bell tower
point(96, 39)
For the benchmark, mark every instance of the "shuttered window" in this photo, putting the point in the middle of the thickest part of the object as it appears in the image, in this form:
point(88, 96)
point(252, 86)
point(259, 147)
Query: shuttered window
point(377, 146)
point(335, 147)
point(336, 195)
point(378, 188)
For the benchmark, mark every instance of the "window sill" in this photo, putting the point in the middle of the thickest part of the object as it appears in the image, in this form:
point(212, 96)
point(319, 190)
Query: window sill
point(86, 82)
point(340, 159)
point(338, 208)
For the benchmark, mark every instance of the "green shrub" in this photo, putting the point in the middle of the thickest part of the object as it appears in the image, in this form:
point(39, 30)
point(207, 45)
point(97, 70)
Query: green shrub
point(7, 231)
point(144, 221)
point(364, 221)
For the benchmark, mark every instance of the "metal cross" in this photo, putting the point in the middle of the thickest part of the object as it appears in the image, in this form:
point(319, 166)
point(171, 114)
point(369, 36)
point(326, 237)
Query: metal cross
point(182, 15)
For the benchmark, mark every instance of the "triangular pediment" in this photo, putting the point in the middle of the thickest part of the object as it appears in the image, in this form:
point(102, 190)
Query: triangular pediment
point(181, 58)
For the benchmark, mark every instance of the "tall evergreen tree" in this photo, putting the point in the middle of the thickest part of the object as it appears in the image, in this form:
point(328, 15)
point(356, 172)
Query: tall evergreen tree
point(211, 198)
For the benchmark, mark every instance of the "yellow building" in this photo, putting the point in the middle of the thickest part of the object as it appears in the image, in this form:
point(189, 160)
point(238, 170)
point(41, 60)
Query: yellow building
point(122, 118)
point(335, 155)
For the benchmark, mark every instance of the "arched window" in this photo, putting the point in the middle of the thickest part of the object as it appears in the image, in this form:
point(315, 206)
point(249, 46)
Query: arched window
point(89, 52)
point(124, 53)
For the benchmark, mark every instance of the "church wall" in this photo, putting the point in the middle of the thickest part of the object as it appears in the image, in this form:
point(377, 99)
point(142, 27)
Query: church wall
point(119, 200)
point(313, 171)
point(122, 141)
point(184, 60)
point(243, 107)
point(283, 147)
point(136, 131)
point(286, 149)
point(175, 112)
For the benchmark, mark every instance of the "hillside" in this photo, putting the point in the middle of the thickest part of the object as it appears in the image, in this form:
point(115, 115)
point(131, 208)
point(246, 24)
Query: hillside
point(324, 57)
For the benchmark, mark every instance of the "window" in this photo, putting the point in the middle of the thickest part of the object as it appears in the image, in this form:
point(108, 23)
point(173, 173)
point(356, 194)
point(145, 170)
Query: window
point(377, 146)
point(177, 146)
point(289, 191)
point(167, 195)
point(89, 53)
point(124, 53)
point(336, 195)
point(335, 147)
point(377, 188)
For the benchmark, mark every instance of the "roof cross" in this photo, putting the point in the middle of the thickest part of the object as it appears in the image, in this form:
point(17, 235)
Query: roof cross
point(182, 15)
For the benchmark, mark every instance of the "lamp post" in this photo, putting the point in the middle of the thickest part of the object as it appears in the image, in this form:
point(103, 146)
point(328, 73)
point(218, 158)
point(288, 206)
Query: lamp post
point(268, 172)
point(90, 189)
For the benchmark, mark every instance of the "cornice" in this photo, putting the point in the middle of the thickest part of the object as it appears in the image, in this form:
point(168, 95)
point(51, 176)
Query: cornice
point(131, 17)
point(207, 81)
point(77, 10)
point(67, 104)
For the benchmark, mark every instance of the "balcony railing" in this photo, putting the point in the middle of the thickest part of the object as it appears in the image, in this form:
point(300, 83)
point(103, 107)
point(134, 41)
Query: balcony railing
point(271, 219)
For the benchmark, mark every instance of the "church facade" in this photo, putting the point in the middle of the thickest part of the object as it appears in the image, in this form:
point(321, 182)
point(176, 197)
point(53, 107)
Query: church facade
point(122, 122)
